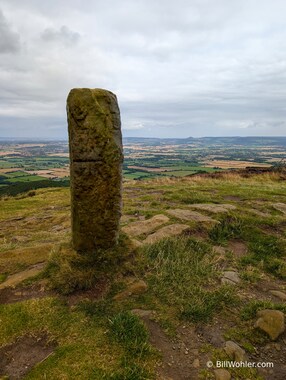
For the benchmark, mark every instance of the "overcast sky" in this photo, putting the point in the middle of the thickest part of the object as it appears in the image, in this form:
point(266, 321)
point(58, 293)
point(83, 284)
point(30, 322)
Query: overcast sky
point(179, 68)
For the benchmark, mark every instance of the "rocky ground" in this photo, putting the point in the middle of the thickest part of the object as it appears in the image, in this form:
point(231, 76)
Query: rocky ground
point(235, 226)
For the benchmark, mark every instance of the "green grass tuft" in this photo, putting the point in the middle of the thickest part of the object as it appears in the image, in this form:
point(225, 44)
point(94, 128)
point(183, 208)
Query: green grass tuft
point(99, 309)
point(268, 252)
point(205, 304)
point(3, 277)
point(130, 371)
point(179, 271)
point(249, 311)
point(69, 271)
point(229, 228)
point(130, 332)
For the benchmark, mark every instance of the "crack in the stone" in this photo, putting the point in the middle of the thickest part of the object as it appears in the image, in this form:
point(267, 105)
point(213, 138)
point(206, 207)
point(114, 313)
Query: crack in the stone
point(87, 161)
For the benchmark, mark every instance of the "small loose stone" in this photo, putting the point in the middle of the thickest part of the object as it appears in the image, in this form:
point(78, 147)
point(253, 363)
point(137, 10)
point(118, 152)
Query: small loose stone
point(230, 277)
point(235, 351)
point(222, 374)
point(196, 363)
point(278, 294)
point(271, 321)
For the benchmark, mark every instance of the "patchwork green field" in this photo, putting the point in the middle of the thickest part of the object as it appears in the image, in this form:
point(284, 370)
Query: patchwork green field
point(28, 166)
point(24, 162)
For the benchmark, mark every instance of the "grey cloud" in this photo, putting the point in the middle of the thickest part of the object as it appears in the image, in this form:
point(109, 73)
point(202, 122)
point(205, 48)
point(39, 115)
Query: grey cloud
point(190, 67)
point(63, 35)
point(9, 39)
point(37, 127)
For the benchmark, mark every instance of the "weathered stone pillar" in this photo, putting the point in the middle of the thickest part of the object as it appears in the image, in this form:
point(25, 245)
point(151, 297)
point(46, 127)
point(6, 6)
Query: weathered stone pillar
point(95, 144)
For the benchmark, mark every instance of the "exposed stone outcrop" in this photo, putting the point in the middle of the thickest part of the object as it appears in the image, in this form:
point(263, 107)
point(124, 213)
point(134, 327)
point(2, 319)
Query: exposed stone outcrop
point(165, 232)
point(214, 208)
point(145, 226)
point(190, 216)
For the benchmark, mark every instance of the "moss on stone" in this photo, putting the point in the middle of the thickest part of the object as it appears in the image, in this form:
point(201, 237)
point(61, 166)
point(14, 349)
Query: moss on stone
point(96, 167)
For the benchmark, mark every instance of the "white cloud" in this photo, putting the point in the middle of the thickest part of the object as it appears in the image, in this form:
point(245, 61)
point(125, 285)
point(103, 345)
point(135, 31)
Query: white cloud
point(132, 125)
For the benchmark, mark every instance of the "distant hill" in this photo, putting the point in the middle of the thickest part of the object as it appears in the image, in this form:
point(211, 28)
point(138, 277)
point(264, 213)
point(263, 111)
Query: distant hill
point(233, 140)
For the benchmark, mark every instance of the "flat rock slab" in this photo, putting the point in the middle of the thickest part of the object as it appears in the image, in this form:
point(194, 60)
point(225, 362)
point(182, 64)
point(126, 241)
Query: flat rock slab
point(165, 232)
point(15, 279)
point(145, 226)
point(259, 213)
point(214, 208)
point(190, 216)
point(230, 277)
point(143, 313)
point(219, 250)
point(239, 248)
point(13, 295)
point(280, 207)
point(136, 243)
point(279, 294)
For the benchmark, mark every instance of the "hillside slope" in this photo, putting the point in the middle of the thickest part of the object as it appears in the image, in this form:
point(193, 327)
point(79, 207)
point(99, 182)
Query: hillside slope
point(198, 258)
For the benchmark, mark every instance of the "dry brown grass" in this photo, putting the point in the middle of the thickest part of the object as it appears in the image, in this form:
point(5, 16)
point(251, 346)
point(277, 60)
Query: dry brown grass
point(52, 173)
point(155, 170)
point(4, 171)
point(59, 154)
point(7, 152)
point(29, 145)
point(233, 164)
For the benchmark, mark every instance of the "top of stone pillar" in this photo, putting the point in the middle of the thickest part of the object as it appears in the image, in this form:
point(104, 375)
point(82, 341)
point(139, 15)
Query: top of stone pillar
point(94, 125)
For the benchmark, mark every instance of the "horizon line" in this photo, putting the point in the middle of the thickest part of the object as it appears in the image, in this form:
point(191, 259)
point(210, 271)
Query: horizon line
point(137, 137)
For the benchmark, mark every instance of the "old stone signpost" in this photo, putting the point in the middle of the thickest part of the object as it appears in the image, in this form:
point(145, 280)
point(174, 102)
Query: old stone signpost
point(96, 157)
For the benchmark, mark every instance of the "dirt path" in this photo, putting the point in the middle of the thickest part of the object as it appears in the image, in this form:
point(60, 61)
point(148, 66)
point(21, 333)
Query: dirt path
point(18, 358)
